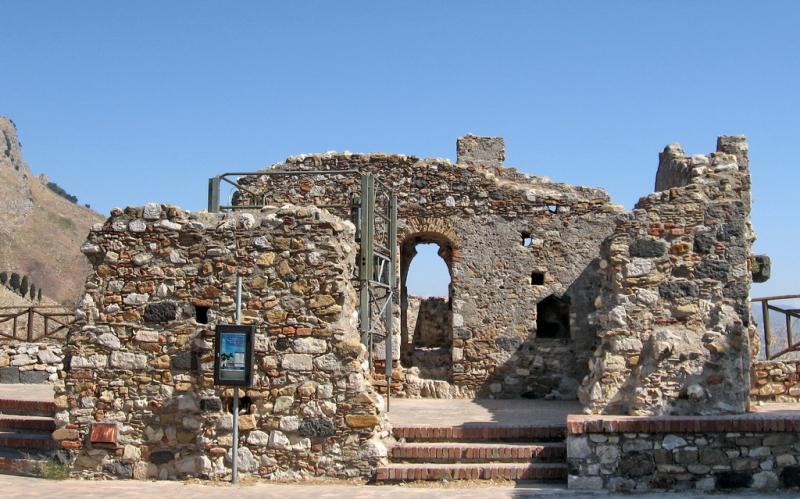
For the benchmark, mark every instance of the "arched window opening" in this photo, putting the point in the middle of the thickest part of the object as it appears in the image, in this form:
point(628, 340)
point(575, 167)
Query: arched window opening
point(426, 305)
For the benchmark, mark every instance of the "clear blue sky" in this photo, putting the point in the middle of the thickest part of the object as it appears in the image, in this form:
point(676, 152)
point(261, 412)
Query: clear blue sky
point(129, 102)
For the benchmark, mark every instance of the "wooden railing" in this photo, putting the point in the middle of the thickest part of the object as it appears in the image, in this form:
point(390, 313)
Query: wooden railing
point(34, 323)
point(792, 344)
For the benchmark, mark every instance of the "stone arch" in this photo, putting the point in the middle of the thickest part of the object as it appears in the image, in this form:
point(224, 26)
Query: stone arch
point(425, 231)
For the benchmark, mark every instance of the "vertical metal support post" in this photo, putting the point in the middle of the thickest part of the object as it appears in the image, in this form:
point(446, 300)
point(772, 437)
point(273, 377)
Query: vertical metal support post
point(392, 281)
point(364, 259)
point(235, 450)
point(767, 329)
point(213, 194)
point(30, 324)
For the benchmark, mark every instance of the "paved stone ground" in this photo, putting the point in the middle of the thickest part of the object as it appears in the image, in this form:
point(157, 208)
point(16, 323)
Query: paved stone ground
point(21, 487)
point(26, 392)
point(448, 412)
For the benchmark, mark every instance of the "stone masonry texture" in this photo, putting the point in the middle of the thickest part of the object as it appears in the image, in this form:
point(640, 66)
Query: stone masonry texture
point(495, 227)
point(674, 314)
point(141, 357)
point(555, 293)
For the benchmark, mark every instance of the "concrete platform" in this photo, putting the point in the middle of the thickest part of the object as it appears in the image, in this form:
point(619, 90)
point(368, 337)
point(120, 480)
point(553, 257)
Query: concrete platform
point(459, 412)
point(37, 392)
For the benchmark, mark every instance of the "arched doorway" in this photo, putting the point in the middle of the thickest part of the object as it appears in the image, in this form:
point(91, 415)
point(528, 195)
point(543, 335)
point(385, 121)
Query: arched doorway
point(426, 308)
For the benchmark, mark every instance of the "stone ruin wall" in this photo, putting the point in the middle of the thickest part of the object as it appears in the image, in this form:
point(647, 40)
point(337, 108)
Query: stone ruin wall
point(674, 310)
point(776, 381)
point(31, 362)
point(429, 329)
point(714, 453)
point(479, 212)
point(140, 359)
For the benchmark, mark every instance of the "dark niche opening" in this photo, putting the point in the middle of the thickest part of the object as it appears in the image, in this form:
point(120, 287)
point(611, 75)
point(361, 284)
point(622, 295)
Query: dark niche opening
point(245, 405)
point(537, 278)
point(201, 314)
point(552, 317)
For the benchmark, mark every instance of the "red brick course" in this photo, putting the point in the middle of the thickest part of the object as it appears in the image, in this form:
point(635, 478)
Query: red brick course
point(510, 471)
point(578, 424)
point(436, 452)
point(23, 423)
point(480, 432)
point(22, 440)
point(30, 407)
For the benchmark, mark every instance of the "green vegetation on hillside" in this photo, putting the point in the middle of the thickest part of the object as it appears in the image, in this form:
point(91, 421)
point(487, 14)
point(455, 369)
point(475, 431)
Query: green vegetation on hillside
point(61, 192)
point(21, 285)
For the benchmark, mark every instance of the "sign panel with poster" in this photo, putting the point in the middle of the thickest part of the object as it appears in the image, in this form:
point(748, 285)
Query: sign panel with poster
point(233, 355)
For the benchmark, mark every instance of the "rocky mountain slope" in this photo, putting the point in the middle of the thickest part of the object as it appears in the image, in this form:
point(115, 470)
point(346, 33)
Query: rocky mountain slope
point(40, 231)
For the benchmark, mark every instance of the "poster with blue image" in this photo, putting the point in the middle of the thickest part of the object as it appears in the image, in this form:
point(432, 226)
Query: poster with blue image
point(233, 350)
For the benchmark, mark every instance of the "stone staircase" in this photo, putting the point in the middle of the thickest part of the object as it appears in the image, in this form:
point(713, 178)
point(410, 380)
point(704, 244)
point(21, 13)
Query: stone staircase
point(26, 426)
point(477, 451)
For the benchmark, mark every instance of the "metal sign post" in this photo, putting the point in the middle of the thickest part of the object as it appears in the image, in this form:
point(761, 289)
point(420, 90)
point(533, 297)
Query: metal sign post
point(233, 366)
point(235, 456)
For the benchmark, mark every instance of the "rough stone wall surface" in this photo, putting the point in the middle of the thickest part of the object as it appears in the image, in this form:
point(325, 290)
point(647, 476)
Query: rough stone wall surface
point(708, 461)
point(431, 326)
point(776, 381)
point(481, 213)
point(142, 358)
point(674, 310)
point(36, 362)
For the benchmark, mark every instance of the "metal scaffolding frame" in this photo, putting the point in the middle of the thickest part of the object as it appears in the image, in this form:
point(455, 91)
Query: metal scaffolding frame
point(374, 213)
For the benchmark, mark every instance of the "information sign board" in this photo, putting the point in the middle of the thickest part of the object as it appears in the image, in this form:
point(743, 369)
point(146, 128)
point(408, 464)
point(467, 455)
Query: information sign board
point(233, 355)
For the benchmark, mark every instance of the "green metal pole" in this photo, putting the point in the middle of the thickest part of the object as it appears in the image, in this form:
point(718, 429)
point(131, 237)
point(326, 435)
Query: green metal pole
point(365, 254)
point(213, 194)
point(392, 242)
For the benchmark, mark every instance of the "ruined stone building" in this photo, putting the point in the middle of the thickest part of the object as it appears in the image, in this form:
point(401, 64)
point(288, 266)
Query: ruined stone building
point(555, 293)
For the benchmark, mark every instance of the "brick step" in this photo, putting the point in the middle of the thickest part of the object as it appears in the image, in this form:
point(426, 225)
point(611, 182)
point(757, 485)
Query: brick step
point(40, 423)
point(481, 432)
point(27, 407)
point(550, 472)
point(449, 452)
point(27, 440)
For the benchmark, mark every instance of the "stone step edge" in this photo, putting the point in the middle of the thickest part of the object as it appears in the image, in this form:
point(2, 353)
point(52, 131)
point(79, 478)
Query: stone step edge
point(27, 440)
point(21, 466)
point(447, 451)
point(556, 472)
point(15, 422)
point(27, 407)
point(479, 433)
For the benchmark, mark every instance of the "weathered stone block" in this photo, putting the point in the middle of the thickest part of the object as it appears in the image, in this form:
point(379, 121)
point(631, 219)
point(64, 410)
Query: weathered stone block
point(33, 377)
point(675, 289)
point(761, 268)
point(163, 311)
point(297, 362)
point(9, 375)
point(717, 270)
point(637, 464)
point(647, 248)
point(127, 360)
point(317, 427)
point(362, 420)
point(182, 361)
point(211, 404)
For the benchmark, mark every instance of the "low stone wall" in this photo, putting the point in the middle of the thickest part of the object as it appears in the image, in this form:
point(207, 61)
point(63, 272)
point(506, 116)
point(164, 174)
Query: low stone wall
point(36, 362)
point(140, 390)
point(775, 381)
point(756, 451)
